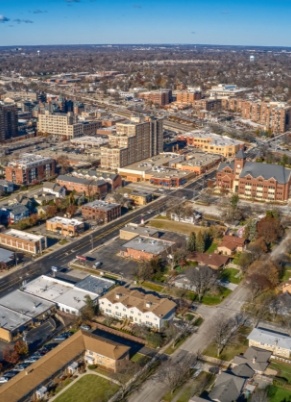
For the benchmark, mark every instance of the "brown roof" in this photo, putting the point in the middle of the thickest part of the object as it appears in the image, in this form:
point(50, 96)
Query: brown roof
point(27, 381)
point(214, 261)
point(232, 242)
point(142, 301)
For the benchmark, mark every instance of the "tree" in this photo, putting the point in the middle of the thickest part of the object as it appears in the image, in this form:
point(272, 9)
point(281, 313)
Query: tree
point(269, 228)
point(191, 246)
point(222, 333)
point(144, 270)
point(244, 261)
point(51, 211)
point(10, 355)
point(64, 163)
point(200, 278)
point(127, 371)
point(71, 210)
point(21, 347)
point(200, 242)
point(89, 310)
point(234, 200)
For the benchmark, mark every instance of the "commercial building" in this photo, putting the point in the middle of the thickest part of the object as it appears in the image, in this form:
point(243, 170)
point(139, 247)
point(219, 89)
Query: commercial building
point(212, 143)
point(133, 141)
point(30, 169)
point(158, 97)
point(28, 383)
point(188, 96)
point(23, 241)
point(132, 230)
point(90, 141)
point(8, 121)
point(145, 248)
point(222, 91)
point(18, 310)
point(63, 125)
point(199, 162)
point(88, 187)
point(65, 226)
point(137, 307)
point(113, 180)
point(101, 211)
point(252, 180)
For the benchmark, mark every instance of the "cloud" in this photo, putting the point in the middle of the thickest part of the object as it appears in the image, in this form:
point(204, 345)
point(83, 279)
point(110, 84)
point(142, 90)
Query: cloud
point(3, 19)
point(19, 21)
point(38, 11)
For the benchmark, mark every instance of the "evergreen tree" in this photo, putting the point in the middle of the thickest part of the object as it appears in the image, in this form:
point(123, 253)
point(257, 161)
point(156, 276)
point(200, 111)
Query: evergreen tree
point(200, 242)
point(191, 246)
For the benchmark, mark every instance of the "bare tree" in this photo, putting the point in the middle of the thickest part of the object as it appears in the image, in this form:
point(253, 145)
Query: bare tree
point(201, 278)
point(124, 375)
point(222, 332)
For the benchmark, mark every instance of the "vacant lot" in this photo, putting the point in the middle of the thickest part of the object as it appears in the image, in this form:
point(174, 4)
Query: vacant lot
point(89, 388)
point(178, 227)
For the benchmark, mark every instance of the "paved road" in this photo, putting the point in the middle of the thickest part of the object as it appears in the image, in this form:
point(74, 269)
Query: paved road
point(153, 391)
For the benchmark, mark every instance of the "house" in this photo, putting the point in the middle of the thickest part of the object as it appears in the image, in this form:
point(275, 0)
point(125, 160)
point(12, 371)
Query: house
point(13, 213)
point(108, 354)
point(137, 307)
point(276, 342)
point(54, 188)
point(182, 282)
point(230, 245)
point(255, 358)
point(227, 388)
point(6, 187)
point(214, 261)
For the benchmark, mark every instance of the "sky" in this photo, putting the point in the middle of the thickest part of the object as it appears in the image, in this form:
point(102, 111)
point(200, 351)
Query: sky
point(224, 22)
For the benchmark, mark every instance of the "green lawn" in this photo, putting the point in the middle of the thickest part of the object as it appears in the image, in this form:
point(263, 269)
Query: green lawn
point(177, 227)
point(89, 388)
point(232, 275)
point(152, 286)
point(211, 299)
point(212, 248)
point(140, 359)
point(238, 344)
point(278, 394)
point(284, 370)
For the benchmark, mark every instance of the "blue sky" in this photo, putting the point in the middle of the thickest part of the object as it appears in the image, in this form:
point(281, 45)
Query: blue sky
point(236, 22)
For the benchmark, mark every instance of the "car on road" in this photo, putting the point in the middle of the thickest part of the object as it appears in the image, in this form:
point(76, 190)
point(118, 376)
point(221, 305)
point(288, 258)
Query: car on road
point(97, 264)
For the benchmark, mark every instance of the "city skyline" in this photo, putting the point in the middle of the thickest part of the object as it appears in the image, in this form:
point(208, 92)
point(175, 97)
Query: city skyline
point(55, 22)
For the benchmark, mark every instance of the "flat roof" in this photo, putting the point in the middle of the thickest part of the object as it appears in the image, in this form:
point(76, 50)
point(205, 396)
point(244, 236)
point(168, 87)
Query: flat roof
point(65, 221)
point(6, 255)
point(22, 235)
point(106, 206)
point(148, 244)
point(155, 161)
point(216, 139)
point(27, 159)
point(140, 230)
point(75, 298)
point(95, 284)
point(11, 320)
point(25, 303)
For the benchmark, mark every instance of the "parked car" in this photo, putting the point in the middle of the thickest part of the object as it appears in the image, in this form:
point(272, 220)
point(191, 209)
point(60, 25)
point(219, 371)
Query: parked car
point(85, 327)
point(3, 380)
point(97, 264)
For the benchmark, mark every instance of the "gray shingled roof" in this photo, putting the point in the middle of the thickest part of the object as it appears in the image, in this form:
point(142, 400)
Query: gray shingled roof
point(267, 171)
point(222, 165)
point(79, 180)
point(240, 154)
point(227, 388)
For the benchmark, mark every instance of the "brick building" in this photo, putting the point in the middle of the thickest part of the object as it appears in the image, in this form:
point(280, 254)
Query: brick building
point(254, 180)
point(23, 241)
point(30, 169)
point(159, 97)
point(65, 226)
point(101, 211)
point(145, 248)
point(113, 180)
point(89, 187)
point(188, 96)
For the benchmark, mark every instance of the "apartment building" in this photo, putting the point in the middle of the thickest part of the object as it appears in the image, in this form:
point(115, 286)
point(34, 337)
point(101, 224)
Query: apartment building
point(188, 96)
point(212, 143)
point(65, 226)
point(254, 181)
point(30, 169)
point(63, 125)
point(158, 97)
point(138, 307)
point(8, 121)
point(23, 241)
point(210, 105)
point(101, 211)
point(133, 142)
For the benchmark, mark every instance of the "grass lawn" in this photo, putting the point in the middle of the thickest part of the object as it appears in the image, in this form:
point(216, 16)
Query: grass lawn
point(89, 388)
point(140, 359)
point(287, 273)
point(278, 394)
point(284, 369)
point(178, 227)
point(211, 299)
point(237, 344)
point(232, 275)
point(212, 248)
point(172, 349)
point(152, 286)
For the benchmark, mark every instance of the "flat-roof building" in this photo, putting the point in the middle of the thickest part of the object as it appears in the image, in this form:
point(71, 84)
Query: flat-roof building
point(65, 226)
point(145, 248)
point(101, 211)
point(23, 241)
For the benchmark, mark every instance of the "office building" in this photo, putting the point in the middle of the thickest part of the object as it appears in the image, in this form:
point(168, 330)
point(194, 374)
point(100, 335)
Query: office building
point(23, 241)
point(8, 121)
point(101, 211)
point(63, 125)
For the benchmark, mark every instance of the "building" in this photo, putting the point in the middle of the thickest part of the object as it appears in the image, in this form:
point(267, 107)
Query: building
point(18, 310)
point(30, 169)
point(25, 385)
point(23, 241)
point(113, 180)
point(212, 143)
point(54, 188)
point(188, 96)
point(69, 298)
point(257, 359)
point(222, 91)
point(158, 97)
point(101, 211)
point(8, 121)
point(137, 307)
point(7, 258)
point(209, 105)
point(133, 142)
point(254, 181)
point(199, 163)
point(6, 187)
point(65, 226)
point(60, 124)
point(140, 197)
point(230, 245)
point(276, 342)
point(13, 213)
point(88, 187)
point(132, 230)
point(145, 248)
point(227, 388)
point(214, 261)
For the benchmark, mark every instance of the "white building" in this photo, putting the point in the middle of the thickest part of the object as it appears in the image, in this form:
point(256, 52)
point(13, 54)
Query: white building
point(137, 307)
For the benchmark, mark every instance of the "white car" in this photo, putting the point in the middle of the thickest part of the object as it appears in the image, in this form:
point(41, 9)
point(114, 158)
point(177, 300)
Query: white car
point(3, 380)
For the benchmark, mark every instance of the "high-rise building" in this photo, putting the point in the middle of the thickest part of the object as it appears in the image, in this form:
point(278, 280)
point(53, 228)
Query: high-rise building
point(8, 121)
point(133, 142)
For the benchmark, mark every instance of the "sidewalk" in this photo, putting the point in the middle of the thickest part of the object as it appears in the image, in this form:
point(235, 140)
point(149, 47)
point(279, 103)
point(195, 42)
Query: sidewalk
point(78, 378)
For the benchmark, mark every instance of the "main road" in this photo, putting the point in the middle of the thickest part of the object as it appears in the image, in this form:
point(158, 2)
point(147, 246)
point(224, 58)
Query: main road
point(62, 256)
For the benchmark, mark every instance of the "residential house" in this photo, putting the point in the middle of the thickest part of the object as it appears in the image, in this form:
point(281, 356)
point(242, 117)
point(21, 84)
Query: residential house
point(13, 213)
point(137, 307)
point(230, 245)
point(255, 358)
point(6, 187)
point(227, 388)
point(214, 261)
point(54, 188)
point(276, 342)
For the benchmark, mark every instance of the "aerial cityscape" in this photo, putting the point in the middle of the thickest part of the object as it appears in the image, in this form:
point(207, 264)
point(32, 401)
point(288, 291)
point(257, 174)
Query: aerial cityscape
point(145, 193)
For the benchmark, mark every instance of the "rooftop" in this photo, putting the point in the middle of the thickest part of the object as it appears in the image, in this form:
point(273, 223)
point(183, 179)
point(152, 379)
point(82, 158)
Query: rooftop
point(65, 221)
point(148, 245)
point(29, 160)
point(99, 204)
point(6, 255)
point(270, 338)
point(11, 320)
point(95, 284)
point(266, 171)
point(139, 230)
point(213, 138)
point(23, 235)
